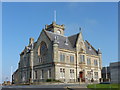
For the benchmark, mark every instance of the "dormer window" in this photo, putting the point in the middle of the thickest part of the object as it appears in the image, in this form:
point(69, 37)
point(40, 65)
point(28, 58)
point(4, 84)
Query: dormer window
point(89, 47)
point(66, 41)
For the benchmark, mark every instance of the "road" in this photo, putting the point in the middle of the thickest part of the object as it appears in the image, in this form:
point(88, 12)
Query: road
point(58, 86)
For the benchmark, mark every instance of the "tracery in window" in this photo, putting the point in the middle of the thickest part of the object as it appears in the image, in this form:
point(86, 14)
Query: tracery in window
point(42, 50)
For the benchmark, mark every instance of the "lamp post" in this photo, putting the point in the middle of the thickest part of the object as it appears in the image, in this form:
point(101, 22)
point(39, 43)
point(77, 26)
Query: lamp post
point(91, 75)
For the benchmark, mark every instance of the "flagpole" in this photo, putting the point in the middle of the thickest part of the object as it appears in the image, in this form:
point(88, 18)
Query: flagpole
point(11, 74)
point(55, 15)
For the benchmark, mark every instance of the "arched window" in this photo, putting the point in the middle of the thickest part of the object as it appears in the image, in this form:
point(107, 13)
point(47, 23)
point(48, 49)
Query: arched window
point(42, 50)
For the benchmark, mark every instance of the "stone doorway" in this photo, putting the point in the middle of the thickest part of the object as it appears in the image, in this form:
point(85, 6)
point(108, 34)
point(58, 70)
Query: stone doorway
point(81, 76)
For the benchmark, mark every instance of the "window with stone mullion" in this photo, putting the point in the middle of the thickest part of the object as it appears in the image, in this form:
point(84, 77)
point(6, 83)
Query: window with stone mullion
point(96, 75)
point(62, 57)
point(71, 58)
point(82, 58)
point(71, 73)
point(88, 61)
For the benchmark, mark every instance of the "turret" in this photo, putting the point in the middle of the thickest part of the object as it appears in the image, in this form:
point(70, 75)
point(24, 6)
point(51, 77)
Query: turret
point(31, 43)
point(55, 49)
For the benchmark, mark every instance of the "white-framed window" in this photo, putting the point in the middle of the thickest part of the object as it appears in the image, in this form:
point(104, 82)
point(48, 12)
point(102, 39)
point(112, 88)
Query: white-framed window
point(71, 73)
point(62, 57)
point(88, 61)
point(96, 75)
point(82, 58)
point(62, 73)
point(95, 62)
point(72, 58)
point(49, 73)
point(89, 74)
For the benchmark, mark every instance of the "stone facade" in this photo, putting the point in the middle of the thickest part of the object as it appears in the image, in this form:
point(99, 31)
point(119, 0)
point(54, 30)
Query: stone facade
point(55, 56)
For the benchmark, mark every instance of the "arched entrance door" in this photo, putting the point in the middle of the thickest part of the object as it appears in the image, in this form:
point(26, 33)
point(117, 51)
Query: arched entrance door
point(81, 76)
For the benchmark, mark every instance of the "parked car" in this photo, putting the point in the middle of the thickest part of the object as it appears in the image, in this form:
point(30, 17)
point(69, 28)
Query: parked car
point(104, 82)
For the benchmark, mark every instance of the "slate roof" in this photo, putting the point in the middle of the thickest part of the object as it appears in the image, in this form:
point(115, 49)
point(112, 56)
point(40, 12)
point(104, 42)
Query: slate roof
point(91, 51)
point(73, 39)
point(71, 42)
point(61, 40)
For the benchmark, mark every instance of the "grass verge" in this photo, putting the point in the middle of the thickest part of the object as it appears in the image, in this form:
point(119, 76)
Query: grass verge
point(107, 86)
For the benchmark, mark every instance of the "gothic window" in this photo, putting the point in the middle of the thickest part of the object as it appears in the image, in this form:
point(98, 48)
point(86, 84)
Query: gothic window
point(82, 58)
point(88, 61)
point(43, 48)
point(71, 58)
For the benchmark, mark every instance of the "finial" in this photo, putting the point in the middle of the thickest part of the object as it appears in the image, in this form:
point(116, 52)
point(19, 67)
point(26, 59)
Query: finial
point(54, 15)
point(80, 29)
point(99, 51)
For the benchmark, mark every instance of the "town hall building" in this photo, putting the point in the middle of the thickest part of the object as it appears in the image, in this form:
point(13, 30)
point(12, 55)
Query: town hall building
point(58, 57)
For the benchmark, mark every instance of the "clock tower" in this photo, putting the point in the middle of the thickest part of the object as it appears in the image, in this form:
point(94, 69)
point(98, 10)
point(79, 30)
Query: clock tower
point(55, 28)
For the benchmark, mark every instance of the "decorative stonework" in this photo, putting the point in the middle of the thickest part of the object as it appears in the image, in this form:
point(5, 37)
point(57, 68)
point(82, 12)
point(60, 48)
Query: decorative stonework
point(39, 62)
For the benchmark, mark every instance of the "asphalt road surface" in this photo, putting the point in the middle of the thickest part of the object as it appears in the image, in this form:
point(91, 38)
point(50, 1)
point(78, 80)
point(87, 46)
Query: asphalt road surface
point(34, 87)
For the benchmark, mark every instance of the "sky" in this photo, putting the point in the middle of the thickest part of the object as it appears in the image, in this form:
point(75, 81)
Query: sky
point(20, 21)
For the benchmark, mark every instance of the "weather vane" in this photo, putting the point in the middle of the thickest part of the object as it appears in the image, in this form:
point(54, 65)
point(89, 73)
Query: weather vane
point(80, 29)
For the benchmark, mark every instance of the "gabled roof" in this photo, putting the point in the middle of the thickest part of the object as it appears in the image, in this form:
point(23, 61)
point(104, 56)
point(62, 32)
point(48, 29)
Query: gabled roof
point(91, 51)
point(71, 40)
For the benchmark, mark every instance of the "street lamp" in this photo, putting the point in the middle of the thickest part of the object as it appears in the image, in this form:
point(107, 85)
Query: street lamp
point(91, 75)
